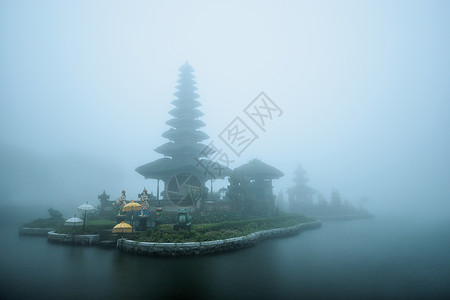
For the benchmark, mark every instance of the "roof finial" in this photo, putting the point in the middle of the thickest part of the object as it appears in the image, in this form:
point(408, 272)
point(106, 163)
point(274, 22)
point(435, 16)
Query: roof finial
point(186, 67)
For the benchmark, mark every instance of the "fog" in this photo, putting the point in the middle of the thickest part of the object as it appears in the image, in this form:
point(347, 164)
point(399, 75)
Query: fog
point(86, 88)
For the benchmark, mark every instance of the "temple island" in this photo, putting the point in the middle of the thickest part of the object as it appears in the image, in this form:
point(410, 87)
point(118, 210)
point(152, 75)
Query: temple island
point(186, 216)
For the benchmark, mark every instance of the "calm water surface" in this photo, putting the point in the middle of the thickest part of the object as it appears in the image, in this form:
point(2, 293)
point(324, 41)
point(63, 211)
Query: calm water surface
point(380, 258)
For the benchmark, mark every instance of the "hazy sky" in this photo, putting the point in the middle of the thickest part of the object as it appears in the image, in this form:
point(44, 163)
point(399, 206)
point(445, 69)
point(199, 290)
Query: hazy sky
point(363, 85)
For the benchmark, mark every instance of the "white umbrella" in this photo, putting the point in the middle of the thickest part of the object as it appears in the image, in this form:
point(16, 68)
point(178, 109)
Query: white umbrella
point(85, 208)
point(74, 221)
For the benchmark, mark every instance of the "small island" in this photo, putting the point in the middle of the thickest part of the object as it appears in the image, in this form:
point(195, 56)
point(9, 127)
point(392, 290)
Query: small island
point(171, 235)
point(187, 216)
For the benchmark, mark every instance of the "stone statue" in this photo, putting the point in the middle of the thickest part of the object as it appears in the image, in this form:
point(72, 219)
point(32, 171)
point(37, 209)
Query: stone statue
point(144, 201)
point(122, 201)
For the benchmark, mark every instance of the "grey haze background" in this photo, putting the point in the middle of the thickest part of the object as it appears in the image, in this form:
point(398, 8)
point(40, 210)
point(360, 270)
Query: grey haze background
point(364, 85)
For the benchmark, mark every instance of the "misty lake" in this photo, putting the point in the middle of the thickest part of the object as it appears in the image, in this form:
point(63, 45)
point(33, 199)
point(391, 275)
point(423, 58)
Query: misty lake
point(380, 258)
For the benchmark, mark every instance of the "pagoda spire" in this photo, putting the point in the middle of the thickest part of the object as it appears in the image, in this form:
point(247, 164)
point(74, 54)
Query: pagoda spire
point(184, 137)
point(184, 153)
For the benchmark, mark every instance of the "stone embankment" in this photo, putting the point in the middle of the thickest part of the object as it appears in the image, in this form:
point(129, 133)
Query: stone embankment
point(210, 247)
point(83, 239)
point(34, 231)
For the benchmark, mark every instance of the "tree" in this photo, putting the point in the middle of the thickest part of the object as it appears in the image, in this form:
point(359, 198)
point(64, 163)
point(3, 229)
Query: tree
point(321, 201)
point(335, 200)
point(54, 213)
point(239, 193)
point(348, 206)
point(300, 194)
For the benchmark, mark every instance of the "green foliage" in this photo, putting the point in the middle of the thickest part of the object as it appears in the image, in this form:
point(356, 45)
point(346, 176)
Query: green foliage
point(247, 197)
point(218, 231)
point(168, 217)
point(214, 216)
point(54, 213)
point(55, 220)
point(45, 223)
point(335, 199)
point(92, 226)
point(321, 201)
point(238, 191)
point(106, 211)
point(101, 223)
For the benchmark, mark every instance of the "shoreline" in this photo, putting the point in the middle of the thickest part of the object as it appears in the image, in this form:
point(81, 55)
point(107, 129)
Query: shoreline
point(34, 231)
point(83, 239)
point(183, 248)
point(210, 247)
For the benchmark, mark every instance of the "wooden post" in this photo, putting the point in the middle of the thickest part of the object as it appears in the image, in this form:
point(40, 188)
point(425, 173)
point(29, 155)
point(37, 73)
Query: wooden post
point(211, 189)
point(84, 221)
point(157, 191)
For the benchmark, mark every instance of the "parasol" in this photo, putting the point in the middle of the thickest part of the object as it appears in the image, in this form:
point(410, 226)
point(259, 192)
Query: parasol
point(132, 206)
point(74, 221)
point(85, 208)
point(122, 228)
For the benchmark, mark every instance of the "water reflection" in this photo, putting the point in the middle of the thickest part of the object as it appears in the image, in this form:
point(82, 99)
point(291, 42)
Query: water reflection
point(378, 258)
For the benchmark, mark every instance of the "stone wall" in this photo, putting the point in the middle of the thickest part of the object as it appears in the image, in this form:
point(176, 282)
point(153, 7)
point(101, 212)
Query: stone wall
point(34, 231)
point(210, 247)
point(84, 239)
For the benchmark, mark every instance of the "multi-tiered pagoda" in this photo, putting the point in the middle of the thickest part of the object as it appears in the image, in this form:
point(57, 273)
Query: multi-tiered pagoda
point(185, 167)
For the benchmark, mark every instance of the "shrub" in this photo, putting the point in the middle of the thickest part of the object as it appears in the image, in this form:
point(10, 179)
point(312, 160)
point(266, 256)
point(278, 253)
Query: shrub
point(45, 223)
point(218, 231)
point(54, 213)
point(92, 226)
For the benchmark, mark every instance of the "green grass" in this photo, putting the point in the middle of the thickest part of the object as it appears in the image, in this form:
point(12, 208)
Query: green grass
point(218, 231)
point(101, 223)
point(45, 223)
point(165, 233)
point(92, 226)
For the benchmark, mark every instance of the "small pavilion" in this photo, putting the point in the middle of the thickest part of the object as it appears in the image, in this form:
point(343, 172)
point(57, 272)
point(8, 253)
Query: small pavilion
point(260, 176)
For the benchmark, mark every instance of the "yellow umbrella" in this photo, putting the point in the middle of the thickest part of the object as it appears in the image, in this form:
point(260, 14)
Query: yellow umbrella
point(132, 206)
point(122, 228)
